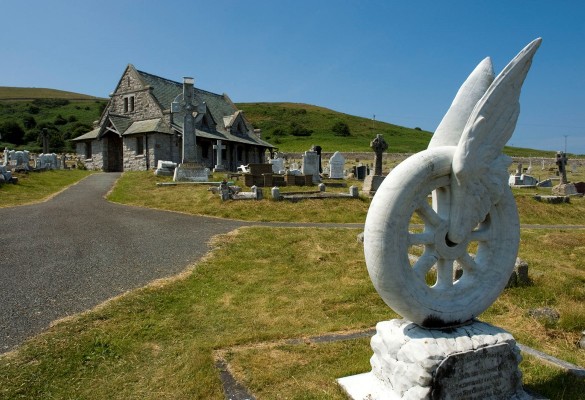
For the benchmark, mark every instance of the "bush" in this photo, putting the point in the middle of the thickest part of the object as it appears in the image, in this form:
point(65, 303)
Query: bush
point(279, 132)
point(11, 132)
point(298, 130)
point(59, 120)
point(340, 129)
point(29, 122)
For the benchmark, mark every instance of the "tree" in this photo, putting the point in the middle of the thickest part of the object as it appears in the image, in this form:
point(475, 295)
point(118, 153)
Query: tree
point(340, 129)
point(29, 122)
point(11, 132)
point(299, 130)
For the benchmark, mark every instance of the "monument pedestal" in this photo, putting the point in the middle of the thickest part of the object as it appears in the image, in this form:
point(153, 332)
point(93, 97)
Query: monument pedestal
point(371, 184)
point(191, 172)
point(473, 361)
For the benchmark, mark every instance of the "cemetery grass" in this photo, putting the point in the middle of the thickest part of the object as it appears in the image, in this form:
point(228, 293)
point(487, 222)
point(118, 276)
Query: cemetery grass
point(140, 189)
point(162, 341)
point(38, 186)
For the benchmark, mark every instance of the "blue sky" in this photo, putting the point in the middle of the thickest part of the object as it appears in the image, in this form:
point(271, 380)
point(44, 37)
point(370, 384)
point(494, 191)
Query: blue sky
point(402, 61)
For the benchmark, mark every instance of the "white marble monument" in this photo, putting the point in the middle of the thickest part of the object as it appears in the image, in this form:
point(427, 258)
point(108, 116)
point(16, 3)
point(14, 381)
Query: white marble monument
point(439, 350)
point(310, 165)
point(337, 166)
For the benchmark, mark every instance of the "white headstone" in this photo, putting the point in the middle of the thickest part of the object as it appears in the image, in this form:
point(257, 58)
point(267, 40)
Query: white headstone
point(218, 149)
point(277, 165)
point(336, 166)
point(311, 165)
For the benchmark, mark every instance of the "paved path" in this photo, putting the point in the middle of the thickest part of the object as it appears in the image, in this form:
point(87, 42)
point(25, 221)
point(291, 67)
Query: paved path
point(76, 250)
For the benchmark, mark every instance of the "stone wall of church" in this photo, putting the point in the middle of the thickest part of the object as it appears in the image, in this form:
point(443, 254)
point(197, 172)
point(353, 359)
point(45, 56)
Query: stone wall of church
point(166, 148)
point(96, 162)
point(133, 161)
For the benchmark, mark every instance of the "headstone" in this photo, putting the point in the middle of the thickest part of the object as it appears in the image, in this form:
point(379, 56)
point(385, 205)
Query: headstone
point(5, 174)
point(224, 191)
point(47, 161)
point(277, 165)
point(6, 156)
point(336, 166)
point(519, 169)
point(562, 165)
point(310, 165)
point(564, 189)
point(321, 187)
point(318, 150)
point(275, 193)
point(190, 168)
point(379, 146)
point(361, 171)
point(165, 168)
point(219, 148)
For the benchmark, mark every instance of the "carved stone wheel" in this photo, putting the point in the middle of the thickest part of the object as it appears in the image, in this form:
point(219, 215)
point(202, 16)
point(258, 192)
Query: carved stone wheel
point(425, 291)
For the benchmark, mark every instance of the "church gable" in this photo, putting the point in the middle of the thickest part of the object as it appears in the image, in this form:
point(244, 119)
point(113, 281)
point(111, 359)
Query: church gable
point(132, 98)
point(205, 122)
point(236, 124)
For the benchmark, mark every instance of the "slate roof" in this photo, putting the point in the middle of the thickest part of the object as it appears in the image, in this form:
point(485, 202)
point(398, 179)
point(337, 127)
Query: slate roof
point(88, 136)
point(120, 122)
point(149, 125)
point(220, 107)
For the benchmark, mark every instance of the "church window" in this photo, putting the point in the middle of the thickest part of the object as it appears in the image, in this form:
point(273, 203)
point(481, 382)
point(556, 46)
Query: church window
point(87, 150)
point(139, 145)
point(129, 103)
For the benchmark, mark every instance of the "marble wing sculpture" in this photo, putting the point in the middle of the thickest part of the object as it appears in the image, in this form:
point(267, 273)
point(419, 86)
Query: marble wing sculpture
point(480, 121)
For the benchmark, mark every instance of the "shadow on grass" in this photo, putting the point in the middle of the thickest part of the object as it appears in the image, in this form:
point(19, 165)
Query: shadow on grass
point(561, 385)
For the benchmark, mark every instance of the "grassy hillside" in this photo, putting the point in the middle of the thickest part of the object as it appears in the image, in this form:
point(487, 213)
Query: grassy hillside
point(24, 112)
point(284, 124)
point(293, 127)
point(18, 93)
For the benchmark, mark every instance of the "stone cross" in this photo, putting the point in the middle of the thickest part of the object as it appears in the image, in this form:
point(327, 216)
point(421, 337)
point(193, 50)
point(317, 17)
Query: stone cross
point(562, 164)
point(379, 146)
point(318, 150)
point(189, 149)
point(45, 138)
point(218, 148)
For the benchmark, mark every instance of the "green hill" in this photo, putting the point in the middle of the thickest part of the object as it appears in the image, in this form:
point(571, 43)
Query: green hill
point(18, 93)
point(295, 127)
point(24, 112)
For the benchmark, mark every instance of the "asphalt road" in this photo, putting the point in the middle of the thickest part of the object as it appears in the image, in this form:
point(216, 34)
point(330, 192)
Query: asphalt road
point(76, 250)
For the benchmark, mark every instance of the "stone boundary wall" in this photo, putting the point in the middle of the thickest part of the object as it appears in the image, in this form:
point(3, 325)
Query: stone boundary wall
point(351, 156)
point(369, 156)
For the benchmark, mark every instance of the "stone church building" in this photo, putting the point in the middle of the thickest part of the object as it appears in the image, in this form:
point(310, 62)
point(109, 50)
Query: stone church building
point(137, 128)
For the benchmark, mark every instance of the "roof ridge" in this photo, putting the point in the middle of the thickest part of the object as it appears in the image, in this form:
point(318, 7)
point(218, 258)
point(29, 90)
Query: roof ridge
point(158, 77)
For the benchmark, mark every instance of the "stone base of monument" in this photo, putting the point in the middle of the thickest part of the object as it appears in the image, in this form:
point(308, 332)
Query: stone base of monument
point(473, 361)
point(371, 184)
point(191, 172)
